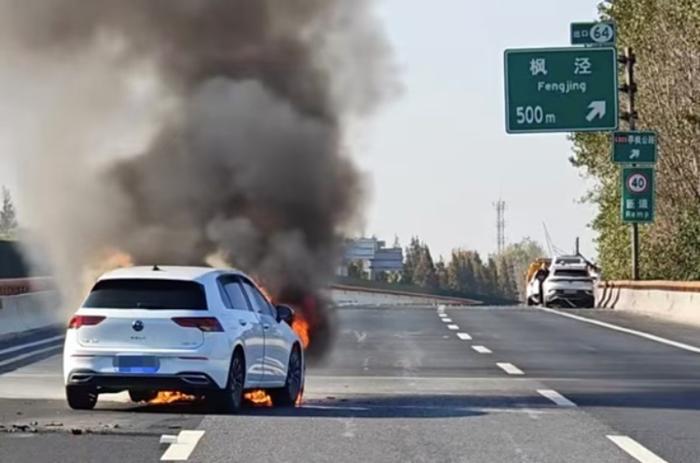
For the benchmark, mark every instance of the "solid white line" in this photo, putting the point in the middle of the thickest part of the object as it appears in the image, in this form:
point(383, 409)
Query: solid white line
point(447, 320)
point(27, 355)
point(452, 327)
point(621, 329)
point(555, 397)
point(510, 368)
point(464, 336)
point(482, 349)
point(183, 448)
point(29, 344)
point(636, 450)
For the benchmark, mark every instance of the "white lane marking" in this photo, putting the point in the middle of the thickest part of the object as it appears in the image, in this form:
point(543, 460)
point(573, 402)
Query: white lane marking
point(441, 308)
point(27, 355)
point(183, 447)
point(464, 336)
point(447, 320)
point(510, 368)
point(29, 344)
point(452, 327)
point(555, 397)
point(482, 349)
point(636, 450)
point(621, 329)
point(442, 315)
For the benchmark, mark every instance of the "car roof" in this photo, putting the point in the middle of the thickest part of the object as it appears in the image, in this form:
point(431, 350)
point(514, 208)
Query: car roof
point(167, 272)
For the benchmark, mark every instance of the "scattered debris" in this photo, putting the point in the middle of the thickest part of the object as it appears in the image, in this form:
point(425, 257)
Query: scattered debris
point(76, 431)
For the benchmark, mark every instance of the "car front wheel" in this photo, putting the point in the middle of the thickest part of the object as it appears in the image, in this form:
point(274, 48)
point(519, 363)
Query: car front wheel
point(81, 398)
point(288, 395)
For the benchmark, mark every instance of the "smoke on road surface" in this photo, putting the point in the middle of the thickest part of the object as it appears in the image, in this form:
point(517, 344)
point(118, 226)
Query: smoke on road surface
point(174, 130)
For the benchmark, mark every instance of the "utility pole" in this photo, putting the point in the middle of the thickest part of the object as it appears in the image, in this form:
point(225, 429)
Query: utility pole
point(628, 59)
point(500, 206)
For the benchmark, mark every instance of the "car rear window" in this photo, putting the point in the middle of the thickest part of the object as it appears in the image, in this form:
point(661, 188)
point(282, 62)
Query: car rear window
point(571, 273)
point(147, 294)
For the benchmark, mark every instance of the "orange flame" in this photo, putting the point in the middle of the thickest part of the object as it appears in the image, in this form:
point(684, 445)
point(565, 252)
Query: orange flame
point(259, 398)
point(169, 397)
point(301, 327)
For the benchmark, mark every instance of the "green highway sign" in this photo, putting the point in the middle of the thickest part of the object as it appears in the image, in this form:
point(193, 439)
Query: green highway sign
point(638, 195)
point(561, 89)
point(634, 147)
point(593, 33)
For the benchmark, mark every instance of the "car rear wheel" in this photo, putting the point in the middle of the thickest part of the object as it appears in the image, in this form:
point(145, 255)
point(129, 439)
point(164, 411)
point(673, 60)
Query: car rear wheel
point(142, 396)
point(231, 398)
point(288, 395)
point(81, 398)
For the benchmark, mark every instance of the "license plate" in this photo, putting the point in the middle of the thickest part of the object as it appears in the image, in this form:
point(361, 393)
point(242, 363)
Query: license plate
point(570, 291)
point(136, 364)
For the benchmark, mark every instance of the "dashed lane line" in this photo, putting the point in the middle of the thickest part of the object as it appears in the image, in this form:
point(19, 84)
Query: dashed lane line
point(482, 349)
point(453, 327)
point(464, 336)
point(636, 450)
point(510, 368)
point(184, 445)
point(447, 320)
point(555, 397)
point(30, 344)
point(621, 329)
point(442, 315)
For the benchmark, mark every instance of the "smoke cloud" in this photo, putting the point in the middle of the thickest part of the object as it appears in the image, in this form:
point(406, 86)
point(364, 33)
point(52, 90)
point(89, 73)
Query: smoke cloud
point(174, 130)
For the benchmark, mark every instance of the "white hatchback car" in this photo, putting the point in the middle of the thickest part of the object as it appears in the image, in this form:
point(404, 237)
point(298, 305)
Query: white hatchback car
point(191, 329)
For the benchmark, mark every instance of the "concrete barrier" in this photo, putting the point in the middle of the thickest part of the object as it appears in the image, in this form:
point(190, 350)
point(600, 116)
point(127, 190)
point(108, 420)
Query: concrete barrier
point(343, 295)
point(29, 311)
point(670, 300)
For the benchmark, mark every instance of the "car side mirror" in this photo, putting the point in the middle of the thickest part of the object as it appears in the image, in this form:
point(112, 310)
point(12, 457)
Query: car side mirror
point(285, 314)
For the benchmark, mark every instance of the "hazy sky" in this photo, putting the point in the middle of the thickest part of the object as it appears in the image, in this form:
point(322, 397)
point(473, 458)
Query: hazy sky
point(439, 154)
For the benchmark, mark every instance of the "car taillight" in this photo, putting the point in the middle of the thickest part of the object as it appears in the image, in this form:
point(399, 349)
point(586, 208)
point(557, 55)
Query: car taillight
point(84, 320)
point(206, 324)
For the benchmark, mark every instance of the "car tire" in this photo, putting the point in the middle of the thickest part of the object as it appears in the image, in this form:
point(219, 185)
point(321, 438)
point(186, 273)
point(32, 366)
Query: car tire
point(81, 398)
point(230, 399)
point(142, 395)
point(294, 385)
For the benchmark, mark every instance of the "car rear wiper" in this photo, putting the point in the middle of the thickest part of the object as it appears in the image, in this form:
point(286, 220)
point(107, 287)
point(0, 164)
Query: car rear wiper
point(143, 305)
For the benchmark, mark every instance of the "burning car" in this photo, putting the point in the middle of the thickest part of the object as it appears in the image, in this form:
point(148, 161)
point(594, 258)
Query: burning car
point(195, 330)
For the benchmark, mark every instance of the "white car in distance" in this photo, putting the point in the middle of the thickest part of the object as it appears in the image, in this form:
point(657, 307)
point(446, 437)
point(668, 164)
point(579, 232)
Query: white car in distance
point(196, 330)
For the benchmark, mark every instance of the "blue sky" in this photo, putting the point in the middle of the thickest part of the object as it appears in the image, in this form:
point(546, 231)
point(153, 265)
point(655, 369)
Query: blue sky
point(439, 155)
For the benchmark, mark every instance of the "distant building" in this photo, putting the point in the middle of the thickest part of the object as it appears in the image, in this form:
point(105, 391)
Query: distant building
point(371, 256)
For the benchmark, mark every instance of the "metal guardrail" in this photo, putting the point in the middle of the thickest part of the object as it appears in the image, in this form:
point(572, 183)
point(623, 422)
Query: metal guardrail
point(446, 299)
point(661, 285)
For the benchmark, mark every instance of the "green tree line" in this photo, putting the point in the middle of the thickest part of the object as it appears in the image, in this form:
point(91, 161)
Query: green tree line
point(466, 273)
point(665, 36)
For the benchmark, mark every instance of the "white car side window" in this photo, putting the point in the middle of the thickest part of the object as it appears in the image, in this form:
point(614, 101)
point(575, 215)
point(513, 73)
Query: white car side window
point(235, 294)
point(258, 300)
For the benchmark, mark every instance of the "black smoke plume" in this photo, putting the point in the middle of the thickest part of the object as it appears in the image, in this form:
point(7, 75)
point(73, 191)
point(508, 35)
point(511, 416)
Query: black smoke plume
point(177, 130)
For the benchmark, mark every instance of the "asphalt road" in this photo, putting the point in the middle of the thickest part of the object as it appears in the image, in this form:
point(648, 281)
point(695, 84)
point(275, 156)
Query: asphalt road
point(404, 384)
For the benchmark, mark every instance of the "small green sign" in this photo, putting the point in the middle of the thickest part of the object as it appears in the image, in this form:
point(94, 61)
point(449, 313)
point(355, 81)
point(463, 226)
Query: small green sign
point(634, 147)
point(593, 33)
point(561, 89)
point(638, 195)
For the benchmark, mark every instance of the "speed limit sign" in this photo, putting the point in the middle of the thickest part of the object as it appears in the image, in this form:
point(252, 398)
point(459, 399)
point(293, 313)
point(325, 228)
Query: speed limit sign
point(638, 194)
point(638, 183)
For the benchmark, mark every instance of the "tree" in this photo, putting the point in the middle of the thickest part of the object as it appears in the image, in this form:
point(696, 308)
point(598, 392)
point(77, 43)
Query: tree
point(664, 35)
point(424, 273)
point(506, 282)
point(356, 270)
point(8, 216)
point(519, 256)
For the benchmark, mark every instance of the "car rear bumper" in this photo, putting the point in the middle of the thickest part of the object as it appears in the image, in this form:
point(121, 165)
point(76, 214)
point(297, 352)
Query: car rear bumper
point(188, 382)
point(579, 299)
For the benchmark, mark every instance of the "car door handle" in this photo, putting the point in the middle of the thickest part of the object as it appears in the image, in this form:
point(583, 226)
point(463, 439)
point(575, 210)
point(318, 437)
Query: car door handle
point(242, 322)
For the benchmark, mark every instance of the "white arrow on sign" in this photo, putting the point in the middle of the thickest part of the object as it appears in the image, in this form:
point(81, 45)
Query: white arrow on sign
point(597, 110)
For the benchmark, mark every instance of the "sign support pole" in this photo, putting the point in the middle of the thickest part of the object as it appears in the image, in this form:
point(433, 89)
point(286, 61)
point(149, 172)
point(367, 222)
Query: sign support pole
point(630, 87)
